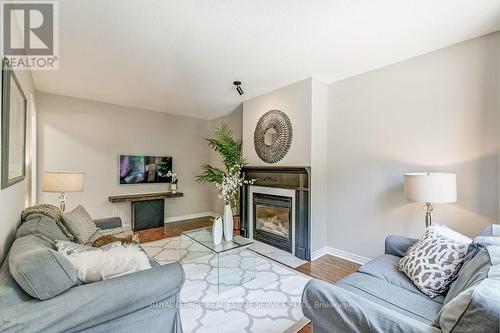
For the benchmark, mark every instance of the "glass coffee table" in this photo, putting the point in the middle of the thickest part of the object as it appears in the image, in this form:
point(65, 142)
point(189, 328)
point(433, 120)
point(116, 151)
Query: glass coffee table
point(230, 264)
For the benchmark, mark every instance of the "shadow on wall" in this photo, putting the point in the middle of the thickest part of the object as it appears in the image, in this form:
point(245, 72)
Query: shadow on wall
point(478, 194)
point(9, 239)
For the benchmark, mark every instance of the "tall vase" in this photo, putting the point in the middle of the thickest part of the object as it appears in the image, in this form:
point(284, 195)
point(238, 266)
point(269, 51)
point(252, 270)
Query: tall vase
point(228, 223)
point(217, 231)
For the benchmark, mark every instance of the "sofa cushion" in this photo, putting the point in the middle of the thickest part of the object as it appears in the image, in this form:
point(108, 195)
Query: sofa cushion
point(50, 211)
point(476, 309)
point(473, 271)
point(398, 245)
point(80, 224)
point(408, 303)
point(386, 268)
point(38, 269)
point(491, 230)
point(38, 224)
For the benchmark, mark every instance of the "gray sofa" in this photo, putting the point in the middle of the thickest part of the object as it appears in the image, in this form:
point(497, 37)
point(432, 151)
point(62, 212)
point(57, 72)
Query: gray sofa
point(380, 298)
point(146, 301)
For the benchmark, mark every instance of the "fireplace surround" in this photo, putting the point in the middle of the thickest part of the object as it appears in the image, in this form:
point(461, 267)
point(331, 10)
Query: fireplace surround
point(275, 208)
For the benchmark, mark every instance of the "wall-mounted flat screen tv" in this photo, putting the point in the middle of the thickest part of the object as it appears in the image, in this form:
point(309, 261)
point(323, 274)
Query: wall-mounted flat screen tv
point(144, 169)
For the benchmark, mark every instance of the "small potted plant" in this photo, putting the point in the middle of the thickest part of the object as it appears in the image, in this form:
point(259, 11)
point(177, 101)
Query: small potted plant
point(173, 182)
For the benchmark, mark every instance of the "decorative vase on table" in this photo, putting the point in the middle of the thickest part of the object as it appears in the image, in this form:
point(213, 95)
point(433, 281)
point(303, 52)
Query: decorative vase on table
point(228, 223)
point(217, 231)
point(173, 188)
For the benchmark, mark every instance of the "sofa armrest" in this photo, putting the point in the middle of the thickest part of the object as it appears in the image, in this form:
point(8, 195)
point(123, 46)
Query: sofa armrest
point(91, 304)
point(109, 222)
point(398, 245)
point(334, 309)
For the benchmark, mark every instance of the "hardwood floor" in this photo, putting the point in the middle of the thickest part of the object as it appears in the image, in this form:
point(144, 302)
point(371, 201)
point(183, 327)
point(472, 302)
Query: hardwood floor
point(327, 268)
point(173, 229)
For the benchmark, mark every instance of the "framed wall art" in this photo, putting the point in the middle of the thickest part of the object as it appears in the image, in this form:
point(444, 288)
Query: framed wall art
point(13, 128)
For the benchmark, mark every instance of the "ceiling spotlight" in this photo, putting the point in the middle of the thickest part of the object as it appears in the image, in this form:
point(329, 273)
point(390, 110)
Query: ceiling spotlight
point(238, 87)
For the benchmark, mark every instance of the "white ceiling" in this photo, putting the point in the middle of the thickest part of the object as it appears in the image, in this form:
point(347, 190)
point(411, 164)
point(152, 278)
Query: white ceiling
point(182, 56)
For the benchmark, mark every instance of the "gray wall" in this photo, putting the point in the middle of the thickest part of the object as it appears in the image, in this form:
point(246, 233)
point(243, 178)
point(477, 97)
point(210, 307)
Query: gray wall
point(16, 197)
point(319, 166)
point(437, 112)
point(295, 101)
point(77, 134)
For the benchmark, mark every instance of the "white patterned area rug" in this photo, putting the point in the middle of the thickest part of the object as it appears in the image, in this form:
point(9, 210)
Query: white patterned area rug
point(269, 303)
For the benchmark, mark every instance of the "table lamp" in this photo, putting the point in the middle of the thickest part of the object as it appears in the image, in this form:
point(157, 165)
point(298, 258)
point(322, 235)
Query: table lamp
point(62, 182)
point(429, 188)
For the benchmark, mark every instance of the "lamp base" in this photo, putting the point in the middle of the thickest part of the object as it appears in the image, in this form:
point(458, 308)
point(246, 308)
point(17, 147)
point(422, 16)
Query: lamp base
point(428, 218)
point(62, 201)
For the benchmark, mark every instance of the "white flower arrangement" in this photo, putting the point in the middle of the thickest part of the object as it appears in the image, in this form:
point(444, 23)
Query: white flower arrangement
point(230, 185)
point(172, 174)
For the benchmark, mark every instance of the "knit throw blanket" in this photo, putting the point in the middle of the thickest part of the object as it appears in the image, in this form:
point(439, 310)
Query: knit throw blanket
point(48, 210)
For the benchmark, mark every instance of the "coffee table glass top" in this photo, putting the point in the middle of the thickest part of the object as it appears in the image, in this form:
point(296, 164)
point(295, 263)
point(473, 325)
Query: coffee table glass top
point(203, 236)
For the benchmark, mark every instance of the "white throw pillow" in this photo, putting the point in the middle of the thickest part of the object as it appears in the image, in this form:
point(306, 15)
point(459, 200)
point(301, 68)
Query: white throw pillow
point(451, 234)
point(93, 266)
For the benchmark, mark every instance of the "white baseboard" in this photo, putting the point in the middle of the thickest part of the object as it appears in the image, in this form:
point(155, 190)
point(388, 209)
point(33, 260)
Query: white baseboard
point(319, 253)
point(339, 253)
point(190, 216)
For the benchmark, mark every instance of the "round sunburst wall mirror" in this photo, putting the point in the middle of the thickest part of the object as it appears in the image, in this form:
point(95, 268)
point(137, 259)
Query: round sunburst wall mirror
point(273, 136)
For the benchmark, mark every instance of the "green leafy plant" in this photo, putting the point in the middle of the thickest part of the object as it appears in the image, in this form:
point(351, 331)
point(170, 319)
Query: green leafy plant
point(227, 181)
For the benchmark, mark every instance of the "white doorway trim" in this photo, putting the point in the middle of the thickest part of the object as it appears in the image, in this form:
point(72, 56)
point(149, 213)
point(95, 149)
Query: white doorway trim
point(33, 151)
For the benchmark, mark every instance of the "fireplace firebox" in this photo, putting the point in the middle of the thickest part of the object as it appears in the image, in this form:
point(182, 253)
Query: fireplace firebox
point(272, 220)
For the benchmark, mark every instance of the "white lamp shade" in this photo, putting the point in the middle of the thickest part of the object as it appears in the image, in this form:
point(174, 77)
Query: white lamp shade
point(433, 187)
point(63, 181)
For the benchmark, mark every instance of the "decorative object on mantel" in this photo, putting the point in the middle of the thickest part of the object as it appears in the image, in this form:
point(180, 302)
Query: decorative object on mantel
point(62, 182)
point(173, 183)
point(13, 132)
point(228, 182)
point(273, 136)
point(217, 231)
point(429, 188)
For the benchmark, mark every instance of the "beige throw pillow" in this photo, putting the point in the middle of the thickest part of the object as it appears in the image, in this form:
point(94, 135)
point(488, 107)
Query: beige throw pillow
point(433, 262)
point(80, 224)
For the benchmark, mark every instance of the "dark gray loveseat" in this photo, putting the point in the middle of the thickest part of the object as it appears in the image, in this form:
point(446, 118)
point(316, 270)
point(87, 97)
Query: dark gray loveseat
point(380, 298)
point(145, 301)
